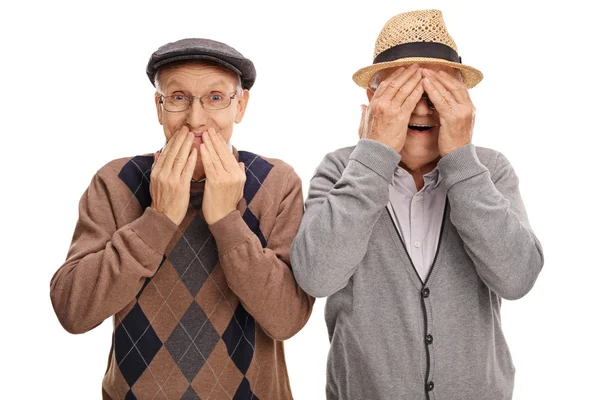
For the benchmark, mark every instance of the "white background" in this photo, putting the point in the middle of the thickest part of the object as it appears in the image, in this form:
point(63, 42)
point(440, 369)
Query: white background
point(61, 63)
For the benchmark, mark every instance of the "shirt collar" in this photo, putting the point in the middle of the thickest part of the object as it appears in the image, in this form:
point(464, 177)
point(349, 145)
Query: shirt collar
point(433, 178)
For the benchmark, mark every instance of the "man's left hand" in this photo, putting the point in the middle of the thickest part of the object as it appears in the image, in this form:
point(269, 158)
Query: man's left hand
point(225, 178)
point(453, 104)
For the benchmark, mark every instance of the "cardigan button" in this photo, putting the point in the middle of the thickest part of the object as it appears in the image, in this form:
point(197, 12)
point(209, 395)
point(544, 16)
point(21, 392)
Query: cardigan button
point(429, 339)
point(429, 386)
point(425, 293)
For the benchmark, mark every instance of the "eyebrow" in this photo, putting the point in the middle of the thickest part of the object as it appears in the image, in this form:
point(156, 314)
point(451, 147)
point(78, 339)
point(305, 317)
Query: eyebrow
point(175, 83)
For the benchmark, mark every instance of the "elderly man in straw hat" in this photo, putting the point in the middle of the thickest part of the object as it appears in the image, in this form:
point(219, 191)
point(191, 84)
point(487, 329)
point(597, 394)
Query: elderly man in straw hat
point(189, 249)
point(415, 234)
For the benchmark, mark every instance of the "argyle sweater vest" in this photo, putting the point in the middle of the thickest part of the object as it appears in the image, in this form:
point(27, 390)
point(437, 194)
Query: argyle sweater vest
point(186, 334)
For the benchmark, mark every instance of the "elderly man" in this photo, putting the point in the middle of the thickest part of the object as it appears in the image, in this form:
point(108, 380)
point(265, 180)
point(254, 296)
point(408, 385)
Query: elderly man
point(188, 249)
point(415, 234)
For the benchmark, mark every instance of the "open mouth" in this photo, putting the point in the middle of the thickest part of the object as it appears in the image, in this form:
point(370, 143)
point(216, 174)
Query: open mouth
point(420, 128)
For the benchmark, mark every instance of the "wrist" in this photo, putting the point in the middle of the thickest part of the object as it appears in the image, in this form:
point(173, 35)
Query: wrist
point(395, 145)
point(212, 219)
point(158, 210)
point(445, 151)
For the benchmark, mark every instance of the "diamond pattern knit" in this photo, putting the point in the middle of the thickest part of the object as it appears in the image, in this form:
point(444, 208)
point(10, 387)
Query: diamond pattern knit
point(186, 334)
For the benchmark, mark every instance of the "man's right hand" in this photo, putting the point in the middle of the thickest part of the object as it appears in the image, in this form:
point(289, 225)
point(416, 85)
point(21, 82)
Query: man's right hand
point(388, 114)
point(171, 175)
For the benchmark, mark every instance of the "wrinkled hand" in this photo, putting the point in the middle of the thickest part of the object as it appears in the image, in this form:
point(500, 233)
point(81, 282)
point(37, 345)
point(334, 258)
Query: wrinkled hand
point(386, 118)
point(456, 111)
point(225, 178)
point(171, 174)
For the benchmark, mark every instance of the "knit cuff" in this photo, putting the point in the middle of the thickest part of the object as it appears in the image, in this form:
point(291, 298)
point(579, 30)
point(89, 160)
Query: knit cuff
point(376, 156)
point(229, 232)
point(155, 229)
point(460, 164)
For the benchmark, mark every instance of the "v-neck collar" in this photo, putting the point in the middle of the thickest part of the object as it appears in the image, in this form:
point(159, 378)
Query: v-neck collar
point(445, 221)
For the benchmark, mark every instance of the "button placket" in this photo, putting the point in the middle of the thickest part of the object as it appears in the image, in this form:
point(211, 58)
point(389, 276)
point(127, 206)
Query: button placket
point(428, 339)
point(417, 231)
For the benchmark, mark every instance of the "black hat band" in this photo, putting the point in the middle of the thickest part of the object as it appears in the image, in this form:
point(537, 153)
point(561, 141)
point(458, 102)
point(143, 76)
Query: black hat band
point(418, 49)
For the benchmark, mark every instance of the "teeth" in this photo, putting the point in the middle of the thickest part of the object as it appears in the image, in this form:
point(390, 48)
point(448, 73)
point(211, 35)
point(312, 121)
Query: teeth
point(419, 127)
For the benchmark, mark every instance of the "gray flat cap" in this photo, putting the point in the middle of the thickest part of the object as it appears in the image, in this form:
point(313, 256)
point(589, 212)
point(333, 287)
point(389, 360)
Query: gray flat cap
point(202, 49)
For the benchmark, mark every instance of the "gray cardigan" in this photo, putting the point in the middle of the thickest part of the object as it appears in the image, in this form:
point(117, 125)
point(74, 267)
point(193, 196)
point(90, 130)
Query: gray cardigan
point(393, 336)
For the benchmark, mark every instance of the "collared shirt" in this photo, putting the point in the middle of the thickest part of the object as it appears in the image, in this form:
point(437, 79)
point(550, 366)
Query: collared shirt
point(419, 215)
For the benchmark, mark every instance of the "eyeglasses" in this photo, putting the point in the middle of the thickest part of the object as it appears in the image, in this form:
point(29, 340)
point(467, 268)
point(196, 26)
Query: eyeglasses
point(429, 103)
point(181, 102)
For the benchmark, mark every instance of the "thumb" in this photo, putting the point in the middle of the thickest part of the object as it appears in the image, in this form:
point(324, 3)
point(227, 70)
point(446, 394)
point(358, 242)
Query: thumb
point(242, 167)
point(362, 126)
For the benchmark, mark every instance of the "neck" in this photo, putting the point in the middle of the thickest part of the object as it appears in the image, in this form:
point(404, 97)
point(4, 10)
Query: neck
point(418, 169)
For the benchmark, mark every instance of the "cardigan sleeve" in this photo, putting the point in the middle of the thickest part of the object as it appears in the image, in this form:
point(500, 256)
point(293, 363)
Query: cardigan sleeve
point(262, 277)
point(345, 200)
point(487, 210)
point(106, 265)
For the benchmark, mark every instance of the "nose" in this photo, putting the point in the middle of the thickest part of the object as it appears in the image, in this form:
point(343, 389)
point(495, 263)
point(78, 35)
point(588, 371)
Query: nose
point(422, 108)
point(197, 116)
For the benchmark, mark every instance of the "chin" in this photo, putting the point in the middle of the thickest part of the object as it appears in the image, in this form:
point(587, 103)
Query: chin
point(419, 156)
point(422, 149)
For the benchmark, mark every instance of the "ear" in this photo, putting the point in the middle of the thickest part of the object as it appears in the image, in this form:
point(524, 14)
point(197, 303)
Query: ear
point(241, 105)
point(159, 109)
point(370, 93)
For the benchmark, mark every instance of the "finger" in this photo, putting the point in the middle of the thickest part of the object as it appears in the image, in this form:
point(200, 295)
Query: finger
point(212, 155)
point(440, 103)
point(159, 160)
point(209, 168)
point(408, 88)
point(172, 149)
point(362, 127)
point(242, 171)
point(397, 82)
point(190, 166)
point(156, 164)
point(453, 85)
point(414, 97)
point(386, 82)
point(227, 158)
point(182, 156)
point(446, 94)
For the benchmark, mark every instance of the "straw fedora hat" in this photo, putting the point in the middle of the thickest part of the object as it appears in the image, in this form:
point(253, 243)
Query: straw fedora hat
point(416, 36)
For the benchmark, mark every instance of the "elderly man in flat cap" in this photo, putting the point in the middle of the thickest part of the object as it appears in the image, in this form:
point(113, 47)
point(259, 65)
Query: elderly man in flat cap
point(415, 234)
point(188, 249)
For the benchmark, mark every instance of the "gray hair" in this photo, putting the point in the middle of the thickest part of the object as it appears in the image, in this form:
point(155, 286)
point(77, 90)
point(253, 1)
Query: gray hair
point(238, 87)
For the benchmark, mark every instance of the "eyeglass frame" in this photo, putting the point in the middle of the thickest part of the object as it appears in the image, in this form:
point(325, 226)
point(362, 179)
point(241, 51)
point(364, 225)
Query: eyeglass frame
point(161, 98)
